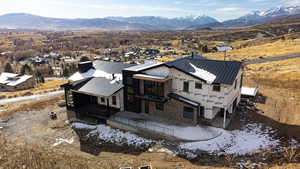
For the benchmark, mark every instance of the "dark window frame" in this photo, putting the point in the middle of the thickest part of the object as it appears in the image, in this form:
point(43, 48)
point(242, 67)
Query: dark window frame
point(154, 88)
point(188, 112)
point(235, 84)
point(186, 86)
point(202, 112)
point(198, 85)
point(102, 100)
point(159, 106)
point(114, 100)
point(217, 87)
point(129, 81)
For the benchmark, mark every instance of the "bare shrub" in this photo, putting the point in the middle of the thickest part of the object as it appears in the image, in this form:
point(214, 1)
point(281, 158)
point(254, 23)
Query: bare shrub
point(229, 159)
point(291, 154)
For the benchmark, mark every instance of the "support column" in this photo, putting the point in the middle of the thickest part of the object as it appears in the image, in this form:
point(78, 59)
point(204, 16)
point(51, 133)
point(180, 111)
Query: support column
point(224, 122)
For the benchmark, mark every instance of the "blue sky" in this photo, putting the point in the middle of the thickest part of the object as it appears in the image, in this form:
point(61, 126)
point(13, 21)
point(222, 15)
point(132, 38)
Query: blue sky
point(220, 9)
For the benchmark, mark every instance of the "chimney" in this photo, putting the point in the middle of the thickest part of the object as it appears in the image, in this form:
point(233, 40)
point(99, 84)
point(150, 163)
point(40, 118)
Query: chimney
point(194, 55)
point(85, 66)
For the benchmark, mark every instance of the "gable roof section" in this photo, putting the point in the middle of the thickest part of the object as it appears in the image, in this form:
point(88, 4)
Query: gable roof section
point(225, 72)
point(12, 79)
point(101, 69)
point(98, 86)
point(211, 71)
point(111, 67)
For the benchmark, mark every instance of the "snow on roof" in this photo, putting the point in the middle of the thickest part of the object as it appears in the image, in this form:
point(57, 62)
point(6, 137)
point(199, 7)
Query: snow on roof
point(142, 66)
point(151, 77)
point(224, 48)
point(111, 135)
point(203, 74)
point(248, 140)
point(95, 73)
point(12, 79)
point(247, 91)
point(19, 80)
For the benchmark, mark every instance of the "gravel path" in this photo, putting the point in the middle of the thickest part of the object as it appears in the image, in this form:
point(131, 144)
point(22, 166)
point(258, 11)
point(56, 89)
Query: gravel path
point(31, 98)
point(271, 59)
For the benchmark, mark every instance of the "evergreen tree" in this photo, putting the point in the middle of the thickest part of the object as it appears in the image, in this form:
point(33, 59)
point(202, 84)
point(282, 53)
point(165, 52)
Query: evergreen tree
point(26, 69)
point(8, 68)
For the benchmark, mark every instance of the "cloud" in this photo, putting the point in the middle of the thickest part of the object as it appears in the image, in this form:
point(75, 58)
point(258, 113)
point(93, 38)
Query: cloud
point(291, 2)
point(135, 7)
point(229, 9)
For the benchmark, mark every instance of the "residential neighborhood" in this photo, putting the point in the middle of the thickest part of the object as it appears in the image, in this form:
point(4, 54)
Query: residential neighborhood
point(150, 84)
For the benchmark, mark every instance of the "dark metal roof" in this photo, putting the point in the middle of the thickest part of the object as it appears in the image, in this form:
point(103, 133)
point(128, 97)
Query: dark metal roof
point(98, 86)
point(183, 99)
point(225, 71)
point(111, 67)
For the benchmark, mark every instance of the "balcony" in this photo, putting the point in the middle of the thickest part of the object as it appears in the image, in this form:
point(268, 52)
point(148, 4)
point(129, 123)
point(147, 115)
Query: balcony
point(152, 98)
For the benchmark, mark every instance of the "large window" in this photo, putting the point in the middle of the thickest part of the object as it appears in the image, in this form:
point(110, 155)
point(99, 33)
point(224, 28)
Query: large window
point(114, 100)
point(217, 88)
point(235, 84)
point(154, 88)
point(129, 81)
point(69, 98)
point(102, 99)
point(159, 106)
point(241, 82)
point(198, 85)
point(186, 86)
point(188, 112)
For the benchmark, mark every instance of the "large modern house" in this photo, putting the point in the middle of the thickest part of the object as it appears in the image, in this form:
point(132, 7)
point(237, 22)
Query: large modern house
point(192, 90)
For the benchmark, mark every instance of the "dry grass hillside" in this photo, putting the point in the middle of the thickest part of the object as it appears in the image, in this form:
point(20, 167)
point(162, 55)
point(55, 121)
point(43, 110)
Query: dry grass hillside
point(277, 48)
point(279, 82)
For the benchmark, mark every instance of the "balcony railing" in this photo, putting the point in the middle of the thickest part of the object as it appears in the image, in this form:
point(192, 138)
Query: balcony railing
point(152, 98)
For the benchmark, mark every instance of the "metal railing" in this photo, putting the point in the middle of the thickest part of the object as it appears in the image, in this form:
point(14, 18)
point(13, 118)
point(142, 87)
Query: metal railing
point(141, 123)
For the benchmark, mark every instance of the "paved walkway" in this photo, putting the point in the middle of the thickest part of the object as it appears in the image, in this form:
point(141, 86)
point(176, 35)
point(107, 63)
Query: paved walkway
point(271, 59)
point(182, 133)
point(31, 98)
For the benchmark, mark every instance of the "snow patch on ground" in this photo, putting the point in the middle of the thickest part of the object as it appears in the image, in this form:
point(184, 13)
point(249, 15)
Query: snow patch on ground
point(108, 134)
point(191, 133)
point(248, 140)
point(60, 141)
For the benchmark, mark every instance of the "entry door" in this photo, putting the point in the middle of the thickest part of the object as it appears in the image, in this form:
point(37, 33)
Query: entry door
point(147, 107)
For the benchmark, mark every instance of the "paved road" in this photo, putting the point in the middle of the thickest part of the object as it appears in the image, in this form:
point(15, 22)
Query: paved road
point(271, 59)
point(31, 98)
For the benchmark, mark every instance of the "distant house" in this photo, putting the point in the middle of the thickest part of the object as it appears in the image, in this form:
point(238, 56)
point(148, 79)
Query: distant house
point(96, 90)
point(192, 90)
point(223, 48)
point(151, 52)
point(13, 82)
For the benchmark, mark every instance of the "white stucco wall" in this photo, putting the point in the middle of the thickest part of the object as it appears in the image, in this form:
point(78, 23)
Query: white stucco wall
point(205, 96)
point(119, 99)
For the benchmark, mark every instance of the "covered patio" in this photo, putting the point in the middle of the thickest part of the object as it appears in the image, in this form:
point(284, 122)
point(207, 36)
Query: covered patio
point(145, 124)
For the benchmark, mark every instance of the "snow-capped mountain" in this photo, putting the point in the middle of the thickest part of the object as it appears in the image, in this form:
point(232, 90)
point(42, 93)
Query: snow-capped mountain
point(283, 10)
point(263, 16)
point(28, 21)
point(167, 23)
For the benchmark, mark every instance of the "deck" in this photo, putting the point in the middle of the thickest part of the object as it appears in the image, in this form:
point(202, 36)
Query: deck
point(95, 111)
